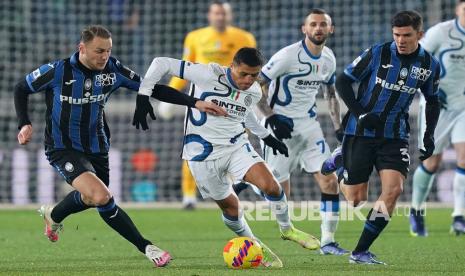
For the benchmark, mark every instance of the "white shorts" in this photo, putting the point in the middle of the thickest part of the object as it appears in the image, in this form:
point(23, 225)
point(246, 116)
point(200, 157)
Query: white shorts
point(450, 128)
point(308, 150)
point(215, 177)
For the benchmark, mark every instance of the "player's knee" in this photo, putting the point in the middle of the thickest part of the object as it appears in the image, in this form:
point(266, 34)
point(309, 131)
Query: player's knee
point(328, 184)
point(272, 189)
point(101, 198)
point(431, 164)
point(355, 199)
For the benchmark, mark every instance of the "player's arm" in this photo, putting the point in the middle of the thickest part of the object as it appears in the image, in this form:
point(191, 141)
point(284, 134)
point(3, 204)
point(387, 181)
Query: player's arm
point(334, 109)
point(432, 110)
point(160, 67)
point(21, 107)
point(275, 67)
point(357, 71)
point(38, 80)
point(262, 104)
point(252, 124)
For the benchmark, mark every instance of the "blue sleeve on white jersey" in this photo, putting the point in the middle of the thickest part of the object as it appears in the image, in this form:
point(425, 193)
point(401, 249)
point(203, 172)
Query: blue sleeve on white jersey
point(264, 77)
point(332, 79)
point(42, 78)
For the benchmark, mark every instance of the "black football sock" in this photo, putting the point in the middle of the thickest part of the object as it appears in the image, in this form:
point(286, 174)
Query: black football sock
point(71, 204)
point(374, 225)
point(117, 219)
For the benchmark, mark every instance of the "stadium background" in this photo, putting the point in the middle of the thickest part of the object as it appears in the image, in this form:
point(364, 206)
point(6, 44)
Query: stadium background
point(35, 32)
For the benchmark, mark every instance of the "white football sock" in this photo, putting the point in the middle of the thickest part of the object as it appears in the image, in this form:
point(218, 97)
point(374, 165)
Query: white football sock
point(421, 186)
point(459, 192)
point(280, 208)
point(238, 225)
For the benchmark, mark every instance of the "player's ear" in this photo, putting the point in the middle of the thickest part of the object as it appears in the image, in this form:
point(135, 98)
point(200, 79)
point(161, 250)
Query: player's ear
point(420, 35)
point(331, 30)
point(303, 28)
point(81, 47)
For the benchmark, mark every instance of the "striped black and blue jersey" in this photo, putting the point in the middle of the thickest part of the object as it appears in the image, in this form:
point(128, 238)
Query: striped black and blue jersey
point(388, 82)
point(75, 99)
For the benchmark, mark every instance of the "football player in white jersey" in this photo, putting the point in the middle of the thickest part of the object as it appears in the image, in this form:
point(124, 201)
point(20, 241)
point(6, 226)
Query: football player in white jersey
point(446, 40)
point(295, 74)
point(217, 148)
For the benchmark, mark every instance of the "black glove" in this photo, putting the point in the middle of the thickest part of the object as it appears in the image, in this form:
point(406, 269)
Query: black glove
point(339, 135)
point(369, 121)
point(428, 143)
point(143, 107)
point(276, 145)
point(281, 129)
point(442, 97)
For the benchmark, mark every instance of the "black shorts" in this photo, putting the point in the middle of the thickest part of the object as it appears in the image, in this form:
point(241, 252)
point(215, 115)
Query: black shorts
point(72, 163)
point(360, 154)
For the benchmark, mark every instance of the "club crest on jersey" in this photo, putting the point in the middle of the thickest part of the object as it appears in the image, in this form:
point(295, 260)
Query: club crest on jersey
point(107, 79)
point(403, 73)
point(69, 167)
point(419, 73)
point(88, 84)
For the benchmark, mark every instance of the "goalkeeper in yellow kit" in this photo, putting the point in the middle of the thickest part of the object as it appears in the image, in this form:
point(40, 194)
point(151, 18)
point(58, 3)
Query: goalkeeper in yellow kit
point(216, 43)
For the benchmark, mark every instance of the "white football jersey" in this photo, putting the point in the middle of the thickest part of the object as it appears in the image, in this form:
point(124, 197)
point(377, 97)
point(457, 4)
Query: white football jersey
point(446, 41)
point(296, 76)
point(209, 137)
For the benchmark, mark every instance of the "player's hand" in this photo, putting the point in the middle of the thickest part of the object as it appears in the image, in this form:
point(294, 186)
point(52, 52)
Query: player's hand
point(369, 121)
point(143, 107)
point(339, 134)
point(25, 134)
point(211, 108)
point(428, 143)
point(281, 129)
point(276, 145)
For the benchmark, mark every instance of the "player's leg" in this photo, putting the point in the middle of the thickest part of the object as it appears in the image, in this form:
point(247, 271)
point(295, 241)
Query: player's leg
point(94, 188)
point(212, 183)
point(458, 224)
point(189, 189)
point(422, 182)
point(425, 173)
point(359, 156)
point(312, 156)
point(329, 212)
point(259, 175)
point(70, 164)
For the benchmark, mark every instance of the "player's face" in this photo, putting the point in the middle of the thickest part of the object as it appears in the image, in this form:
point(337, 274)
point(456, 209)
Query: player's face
point(460, 12)
point(317, 28)
point(95, 53)
point(244, 76)
point(217, 17)
point(406, 39)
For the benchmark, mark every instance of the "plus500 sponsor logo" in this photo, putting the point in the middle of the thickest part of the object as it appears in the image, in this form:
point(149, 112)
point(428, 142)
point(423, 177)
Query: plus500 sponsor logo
point(396, 87)
point(86, 100)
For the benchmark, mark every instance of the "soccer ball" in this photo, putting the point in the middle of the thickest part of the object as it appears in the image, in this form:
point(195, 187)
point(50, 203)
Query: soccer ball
point(242, 253)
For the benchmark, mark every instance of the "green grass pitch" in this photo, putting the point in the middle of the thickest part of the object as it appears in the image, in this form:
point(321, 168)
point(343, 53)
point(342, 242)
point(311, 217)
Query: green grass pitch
point(196, 239)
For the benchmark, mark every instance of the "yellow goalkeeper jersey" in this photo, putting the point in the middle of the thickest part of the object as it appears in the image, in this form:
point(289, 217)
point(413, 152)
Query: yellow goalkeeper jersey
point(206, 45)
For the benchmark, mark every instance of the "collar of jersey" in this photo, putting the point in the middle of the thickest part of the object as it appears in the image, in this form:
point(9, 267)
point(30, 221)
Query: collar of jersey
point(308, 51)
point(230, 79)
point(418, 52)
point(74, 60)
point(460, 28)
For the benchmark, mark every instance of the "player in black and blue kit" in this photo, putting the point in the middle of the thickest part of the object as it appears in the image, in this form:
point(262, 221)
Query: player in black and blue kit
point(77, 136)
point(376, 126)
